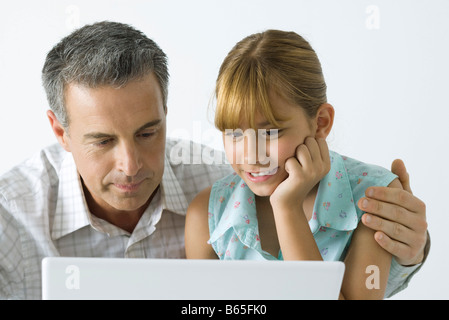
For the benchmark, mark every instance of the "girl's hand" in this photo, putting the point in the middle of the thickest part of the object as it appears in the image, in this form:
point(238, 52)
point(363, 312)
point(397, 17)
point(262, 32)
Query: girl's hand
point(309, 165)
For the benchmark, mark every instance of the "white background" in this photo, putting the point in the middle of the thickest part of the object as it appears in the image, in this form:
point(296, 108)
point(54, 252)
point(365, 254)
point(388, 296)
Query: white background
point(385, 63)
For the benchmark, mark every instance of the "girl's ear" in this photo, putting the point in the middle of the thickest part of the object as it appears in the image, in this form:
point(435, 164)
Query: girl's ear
point(58, 130)
point(324, 120)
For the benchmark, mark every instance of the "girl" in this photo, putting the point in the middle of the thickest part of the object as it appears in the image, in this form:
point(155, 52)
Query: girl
point(302, 204)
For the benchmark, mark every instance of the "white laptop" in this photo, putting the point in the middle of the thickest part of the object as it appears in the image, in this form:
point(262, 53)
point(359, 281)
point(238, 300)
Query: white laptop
point(176, 279)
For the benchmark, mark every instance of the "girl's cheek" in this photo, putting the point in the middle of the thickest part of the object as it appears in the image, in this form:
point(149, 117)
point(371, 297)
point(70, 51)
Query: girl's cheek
point(230, 151)
point(283, 152)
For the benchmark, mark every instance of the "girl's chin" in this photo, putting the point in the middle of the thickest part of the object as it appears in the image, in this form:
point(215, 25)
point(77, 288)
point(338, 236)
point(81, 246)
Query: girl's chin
point(263, 195)
point(262, 191)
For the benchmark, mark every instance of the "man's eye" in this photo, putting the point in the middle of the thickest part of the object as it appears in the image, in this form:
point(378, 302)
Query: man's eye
point(103, 143)
point(146, 134)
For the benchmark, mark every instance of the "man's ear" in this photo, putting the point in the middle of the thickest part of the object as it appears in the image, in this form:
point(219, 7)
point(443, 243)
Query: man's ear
point(58, 130)
point(324, 120)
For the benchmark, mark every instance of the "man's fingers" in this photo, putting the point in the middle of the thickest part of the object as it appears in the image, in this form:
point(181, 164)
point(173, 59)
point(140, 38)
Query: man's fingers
point(396, 248)
point(397, 197)
point(388, 211)
point(398, 168)
point(394, 230)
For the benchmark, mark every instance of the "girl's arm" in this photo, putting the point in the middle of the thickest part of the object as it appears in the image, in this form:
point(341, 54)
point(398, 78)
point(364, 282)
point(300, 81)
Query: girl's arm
point(309, 165)
point(295, 238)
point(197, 228)
point(367, 267)
point(367, 264)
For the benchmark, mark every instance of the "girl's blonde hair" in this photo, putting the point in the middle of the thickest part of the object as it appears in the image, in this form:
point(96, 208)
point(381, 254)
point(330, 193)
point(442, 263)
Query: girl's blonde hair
point(274, 61)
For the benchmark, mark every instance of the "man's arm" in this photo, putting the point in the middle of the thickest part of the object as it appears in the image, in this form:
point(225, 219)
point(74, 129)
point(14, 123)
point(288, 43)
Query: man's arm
point(398, 217)
point(10, 257)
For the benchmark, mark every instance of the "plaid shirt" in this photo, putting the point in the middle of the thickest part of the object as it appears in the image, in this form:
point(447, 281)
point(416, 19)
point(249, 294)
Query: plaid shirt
point(43, 212)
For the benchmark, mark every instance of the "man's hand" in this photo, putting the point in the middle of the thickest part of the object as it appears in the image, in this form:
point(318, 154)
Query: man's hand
point(398, 217)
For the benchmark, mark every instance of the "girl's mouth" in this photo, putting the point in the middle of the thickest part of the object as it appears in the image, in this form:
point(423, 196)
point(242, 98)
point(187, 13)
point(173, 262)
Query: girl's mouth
point(261, 176)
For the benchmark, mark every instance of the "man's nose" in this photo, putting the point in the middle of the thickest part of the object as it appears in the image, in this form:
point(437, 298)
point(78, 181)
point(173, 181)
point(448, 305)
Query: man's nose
point(128, 159)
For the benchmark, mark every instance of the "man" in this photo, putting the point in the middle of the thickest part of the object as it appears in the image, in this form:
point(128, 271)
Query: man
point(109, 189)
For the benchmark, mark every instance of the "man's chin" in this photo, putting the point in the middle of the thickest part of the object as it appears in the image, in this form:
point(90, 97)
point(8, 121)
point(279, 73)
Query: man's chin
point(129, 204)
point(131, 201)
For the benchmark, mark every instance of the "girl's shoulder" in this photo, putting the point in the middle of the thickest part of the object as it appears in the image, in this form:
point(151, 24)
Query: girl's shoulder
point(359, 172)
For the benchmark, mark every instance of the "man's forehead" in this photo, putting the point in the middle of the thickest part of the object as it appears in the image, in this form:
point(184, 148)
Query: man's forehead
point(142, 96)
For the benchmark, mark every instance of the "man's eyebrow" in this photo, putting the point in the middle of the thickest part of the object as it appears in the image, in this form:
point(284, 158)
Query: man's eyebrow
point(101, 135)
point(96, 135)
point(149, 124)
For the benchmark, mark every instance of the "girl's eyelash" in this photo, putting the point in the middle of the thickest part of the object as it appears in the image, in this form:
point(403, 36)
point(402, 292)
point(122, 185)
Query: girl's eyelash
point(233, 133)
point(272, 132)
point(267, 132)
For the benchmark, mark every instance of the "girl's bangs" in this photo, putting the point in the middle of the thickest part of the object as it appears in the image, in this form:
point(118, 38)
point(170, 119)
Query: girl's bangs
point(240, 96)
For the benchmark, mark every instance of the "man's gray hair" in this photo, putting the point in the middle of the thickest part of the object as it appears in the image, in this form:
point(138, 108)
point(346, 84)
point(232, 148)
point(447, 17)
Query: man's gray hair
point(102, 54)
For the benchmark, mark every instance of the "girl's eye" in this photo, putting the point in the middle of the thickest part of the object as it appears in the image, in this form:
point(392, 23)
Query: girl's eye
point(234, 134)
point(272, 133)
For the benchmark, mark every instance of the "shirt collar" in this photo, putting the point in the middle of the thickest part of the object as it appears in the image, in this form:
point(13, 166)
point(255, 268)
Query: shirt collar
point(72, 212)
point(239, 214)
point(71, 208)
point(173, 197)
point(332, 209)
point(334, 204)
